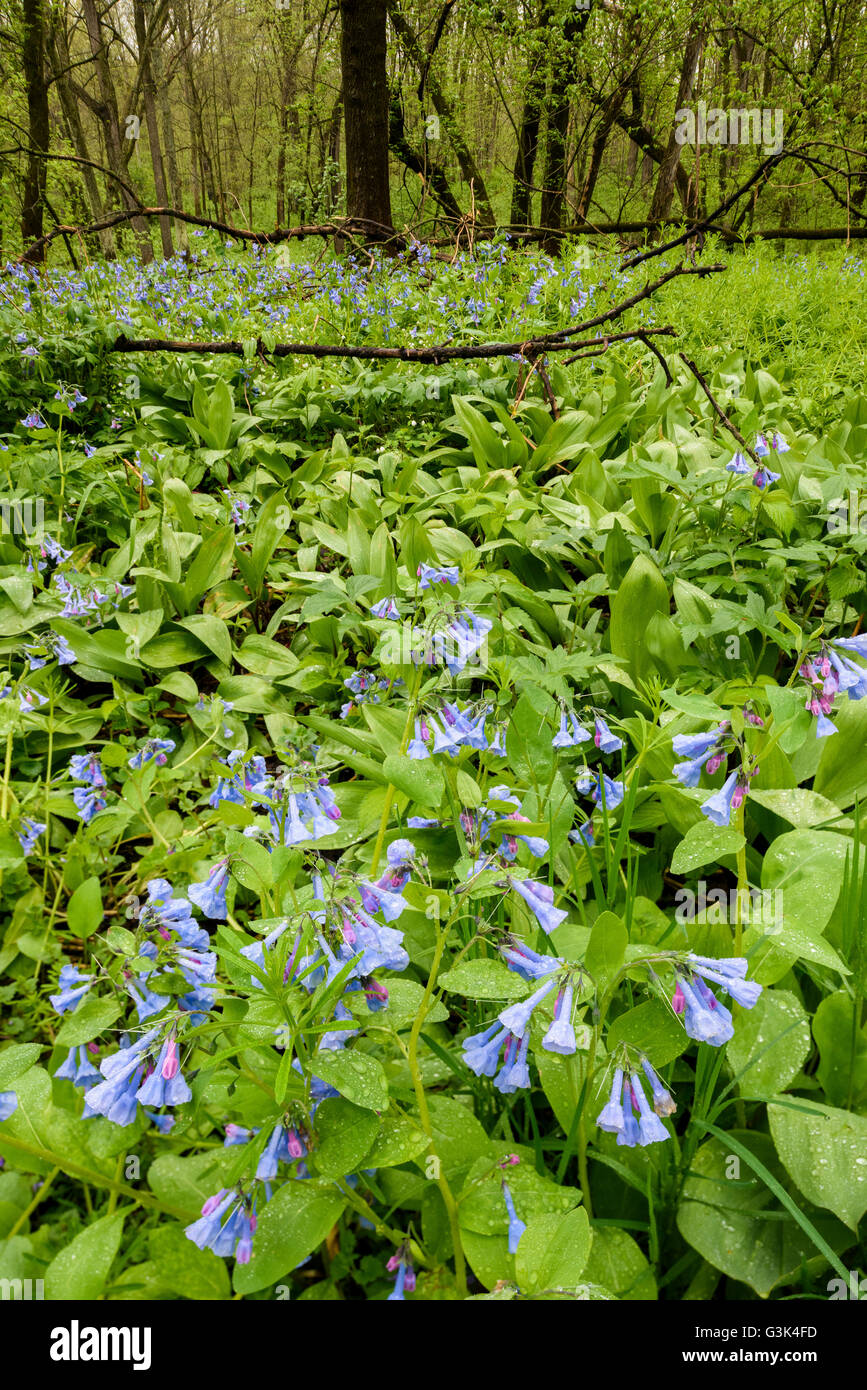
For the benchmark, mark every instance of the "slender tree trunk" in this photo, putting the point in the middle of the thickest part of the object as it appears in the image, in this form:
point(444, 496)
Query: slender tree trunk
point(667, 177)
point(60, 65)
point(38, 134)
point(528, 130)
point(559, 106)
point(148, 40)
point(110, 119)
point(470, 171)
point(363, 55)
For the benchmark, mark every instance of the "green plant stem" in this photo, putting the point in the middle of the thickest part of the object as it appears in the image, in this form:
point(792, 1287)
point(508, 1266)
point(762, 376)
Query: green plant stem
point(390, 793)
point(424, 1111)
point(26, 1214)
point(90, 1175)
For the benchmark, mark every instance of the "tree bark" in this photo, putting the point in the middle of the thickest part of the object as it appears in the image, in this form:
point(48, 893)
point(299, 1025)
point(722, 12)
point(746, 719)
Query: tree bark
point(148, 41)
point(38, 133)
point(363, 53)
point(559, 106)
point(470, 171)
point(110, 120)
point(667, 177)
point(528, 130)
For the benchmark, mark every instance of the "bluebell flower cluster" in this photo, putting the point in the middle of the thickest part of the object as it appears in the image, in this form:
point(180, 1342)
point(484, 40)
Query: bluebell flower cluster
point(831, 672)
point(227, 1224)
point(762, 476)
point(710, 751)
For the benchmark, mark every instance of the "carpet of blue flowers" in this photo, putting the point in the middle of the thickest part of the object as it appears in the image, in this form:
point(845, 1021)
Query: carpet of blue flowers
point(431, 861)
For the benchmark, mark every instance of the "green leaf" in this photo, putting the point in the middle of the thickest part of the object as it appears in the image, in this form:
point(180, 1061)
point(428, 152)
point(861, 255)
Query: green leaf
point(653, 1029)
point(642, 593)
point(356, 1075)
point(705, 843)
point(722, 1213)
point(421, 781)
point(825, 1152)
point(618, 1263)
point(185, 1269)
point(842, 1044)
point(88, 1020)
point(15, 1060)
point(295, 1221)
point(484, 979)
point(84, 910)
point(79, 1271)
point(344, 1134)
point(212, 633)
point(553, 1252)
point(398, 1140)
point(770, 1045)
point(606, 948)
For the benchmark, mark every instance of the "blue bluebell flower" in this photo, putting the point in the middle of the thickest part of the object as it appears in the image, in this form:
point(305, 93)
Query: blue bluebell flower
point(433, 574)
point(30, 699)
point(763, 477)
point(611, 1117)
point(29, 833)
point(8, 1104)
point(516, 1017)
point(526, 962)
point(718, 808)
point(738, 463)
point(73, 987)
point(663, 1102)
point(744, 992)
point(86, 767)
point(539, 897)
point(210, 897)
point(153, 749)
point(386, 608)
point(604, 739)
point(560, 1037)
point(88, 803)
point(517, 1227)
point(651, 1130)
point(704, 1017)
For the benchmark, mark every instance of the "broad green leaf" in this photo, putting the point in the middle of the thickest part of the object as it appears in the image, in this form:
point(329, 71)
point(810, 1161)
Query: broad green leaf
point(771, 1043)
point(79, 1271)
point(356, 1075)
point(290, 1227)
point(553, 1251)
point(84, 909)
point(825, 1152)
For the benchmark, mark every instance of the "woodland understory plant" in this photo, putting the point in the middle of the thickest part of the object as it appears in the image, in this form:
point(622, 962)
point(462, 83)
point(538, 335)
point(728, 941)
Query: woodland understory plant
point(346, 799)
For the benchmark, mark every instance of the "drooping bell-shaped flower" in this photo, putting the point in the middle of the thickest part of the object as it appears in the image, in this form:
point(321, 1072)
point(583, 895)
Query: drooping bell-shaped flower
point(705, 1019)
point(210, 896)
point(605, 739)
point(651, 1130)
point(539, 897)
point(611, 1117)
point(560, 1037)
point(517, 1227)
point(718, 808)
point(663, 1101)
point(73, 987)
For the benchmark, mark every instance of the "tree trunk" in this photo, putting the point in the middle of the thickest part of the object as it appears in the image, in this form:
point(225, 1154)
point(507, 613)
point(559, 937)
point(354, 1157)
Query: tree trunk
point(148, 40)
point(528, 130)
point(559, 105)
point(60, 65)
point(667, 177)
point(468, 167)
point(38, 135)
point(110, 120)
point(363, 55)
